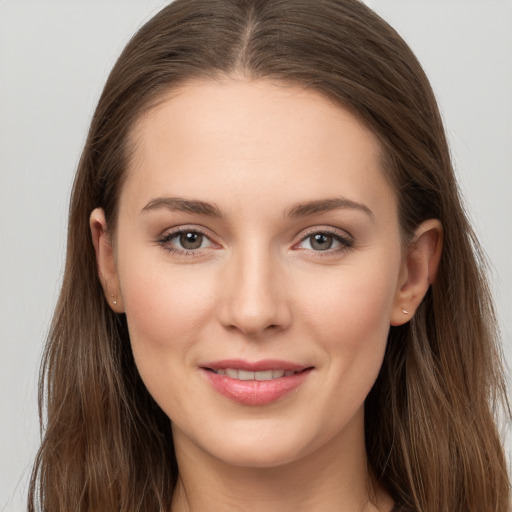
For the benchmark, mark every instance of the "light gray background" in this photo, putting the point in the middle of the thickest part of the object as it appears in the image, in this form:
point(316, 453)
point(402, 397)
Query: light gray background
point(54, 59)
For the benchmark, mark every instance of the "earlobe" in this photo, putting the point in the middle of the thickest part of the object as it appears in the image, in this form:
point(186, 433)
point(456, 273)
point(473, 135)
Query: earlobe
point(105, 260)
point(421, 263)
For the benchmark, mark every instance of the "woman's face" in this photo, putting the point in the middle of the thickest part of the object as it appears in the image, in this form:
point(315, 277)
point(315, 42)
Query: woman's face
point(258, 260)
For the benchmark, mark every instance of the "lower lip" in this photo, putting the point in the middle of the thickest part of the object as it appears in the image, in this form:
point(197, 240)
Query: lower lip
point(256, 392)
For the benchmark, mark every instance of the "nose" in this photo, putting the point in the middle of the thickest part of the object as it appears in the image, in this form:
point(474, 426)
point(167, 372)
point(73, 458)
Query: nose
point(253, 290)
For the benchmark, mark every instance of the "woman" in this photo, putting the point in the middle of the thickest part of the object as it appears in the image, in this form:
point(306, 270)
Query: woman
point(272, 297)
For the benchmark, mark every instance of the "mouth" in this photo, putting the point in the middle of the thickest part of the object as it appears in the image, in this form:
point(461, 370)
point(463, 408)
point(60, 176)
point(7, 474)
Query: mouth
point(236, 373)
point(257, 383)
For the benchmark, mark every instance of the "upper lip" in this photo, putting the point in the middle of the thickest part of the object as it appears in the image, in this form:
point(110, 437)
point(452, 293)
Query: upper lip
point(255, 366)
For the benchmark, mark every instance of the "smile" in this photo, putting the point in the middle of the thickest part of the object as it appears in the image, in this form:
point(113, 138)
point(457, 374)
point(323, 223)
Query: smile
point(234, 373)
point(255, 383)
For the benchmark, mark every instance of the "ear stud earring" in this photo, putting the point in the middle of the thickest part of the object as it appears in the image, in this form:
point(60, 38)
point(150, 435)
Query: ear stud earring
point(404, 311)
point(114, 300)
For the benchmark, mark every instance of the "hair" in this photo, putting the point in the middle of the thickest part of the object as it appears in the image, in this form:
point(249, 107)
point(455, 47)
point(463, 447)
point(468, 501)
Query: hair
point(430, 418)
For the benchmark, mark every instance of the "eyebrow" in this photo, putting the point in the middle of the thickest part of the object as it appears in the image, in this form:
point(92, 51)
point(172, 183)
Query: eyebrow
point(299, 210)
point(183, 205)
point(326, 205)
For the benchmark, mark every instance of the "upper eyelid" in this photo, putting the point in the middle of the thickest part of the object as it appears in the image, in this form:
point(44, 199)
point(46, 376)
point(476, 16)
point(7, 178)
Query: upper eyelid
point(165, 239)
point(345, 239)
point(170, 232)
point(342, 233)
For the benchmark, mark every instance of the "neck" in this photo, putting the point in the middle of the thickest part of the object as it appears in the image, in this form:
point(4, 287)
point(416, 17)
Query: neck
point(318, 481)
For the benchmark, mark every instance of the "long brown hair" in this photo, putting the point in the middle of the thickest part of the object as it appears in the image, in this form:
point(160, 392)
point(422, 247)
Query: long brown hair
point(431, 432)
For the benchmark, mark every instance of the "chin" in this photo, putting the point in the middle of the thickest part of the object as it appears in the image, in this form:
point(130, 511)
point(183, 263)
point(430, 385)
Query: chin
point(258, 456)
point(262, 444)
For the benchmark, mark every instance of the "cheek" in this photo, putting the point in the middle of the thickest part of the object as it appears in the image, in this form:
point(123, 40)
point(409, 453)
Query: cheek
point(350, 303)
point(165, 310)
point(350, 319)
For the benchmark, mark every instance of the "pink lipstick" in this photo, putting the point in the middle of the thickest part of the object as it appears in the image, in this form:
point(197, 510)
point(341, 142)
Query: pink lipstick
point(255, 383)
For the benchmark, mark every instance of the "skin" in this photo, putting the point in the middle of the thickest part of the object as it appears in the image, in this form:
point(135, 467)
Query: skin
point(258, 288)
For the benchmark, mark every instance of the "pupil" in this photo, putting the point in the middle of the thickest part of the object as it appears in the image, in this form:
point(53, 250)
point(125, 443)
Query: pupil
point(321, 242)
point(191, 240)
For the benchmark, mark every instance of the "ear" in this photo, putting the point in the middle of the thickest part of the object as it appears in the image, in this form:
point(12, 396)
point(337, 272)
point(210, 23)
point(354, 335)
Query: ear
point(105, 259)
point(419, 270)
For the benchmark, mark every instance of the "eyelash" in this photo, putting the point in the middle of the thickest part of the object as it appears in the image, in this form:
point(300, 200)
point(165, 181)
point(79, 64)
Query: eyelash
point(164, 241)
point(346, 241)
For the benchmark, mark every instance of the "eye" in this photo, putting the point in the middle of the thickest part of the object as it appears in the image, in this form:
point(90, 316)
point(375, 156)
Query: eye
point(190, 240)
point(185, 241)
point(322, 241)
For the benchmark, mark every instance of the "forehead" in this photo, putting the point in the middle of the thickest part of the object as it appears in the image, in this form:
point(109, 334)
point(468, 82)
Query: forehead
point(240, 137)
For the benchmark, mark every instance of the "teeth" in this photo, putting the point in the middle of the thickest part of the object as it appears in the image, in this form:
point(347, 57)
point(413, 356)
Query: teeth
point(243, 375)
point(233, 373)
point(266, 375)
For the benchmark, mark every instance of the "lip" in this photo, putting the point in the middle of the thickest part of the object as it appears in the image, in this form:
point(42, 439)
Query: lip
point(256, 366)
point(254, 392)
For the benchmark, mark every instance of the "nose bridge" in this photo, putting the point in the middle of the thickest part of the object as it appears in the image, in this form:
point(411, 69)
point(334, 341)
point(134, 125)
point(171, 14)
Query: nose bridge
point(255, 299)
